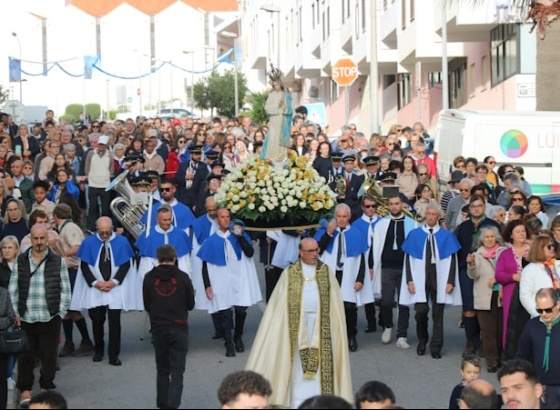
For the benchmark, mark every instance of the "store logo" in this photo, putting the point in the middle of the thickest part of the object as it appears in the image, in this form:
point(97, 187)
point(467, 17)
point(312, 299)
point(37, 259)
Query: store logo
point(514, 143)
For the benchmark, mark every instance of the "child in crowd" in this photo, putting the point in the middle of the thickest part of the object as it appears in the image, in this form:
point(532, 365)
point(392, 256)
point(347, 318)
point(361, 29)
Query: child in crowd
point(470, 370)
point(41, 190)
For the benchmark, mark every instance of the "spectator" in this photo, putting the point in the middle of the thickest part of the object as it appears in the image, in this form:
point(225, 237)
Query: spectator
point(374, 394)
point(520, 385)
point(244, 389)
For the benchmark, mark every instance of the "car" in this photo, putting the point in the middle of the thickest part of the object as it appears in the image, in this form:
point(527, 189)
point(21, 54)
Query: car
point(176, 113)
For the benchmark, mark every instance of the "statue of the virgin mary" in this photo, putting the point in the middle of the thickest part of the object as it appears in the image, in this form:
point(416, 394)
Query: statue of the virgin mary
point(279, 108)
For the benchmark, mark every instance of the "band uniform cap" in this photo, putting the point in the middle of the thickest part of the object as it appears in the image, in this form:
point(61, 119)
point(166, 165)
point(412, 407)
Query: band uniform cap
point(196, 149)
point(212, 176)
point(388, 176)
point(212, 154)
point(371, 160)
point(142, 180)
point(337, 156)
point(349, 157)
point(218, 163)
point(151, 174)
point(104, 139)
point(135, 158)
point(456, 176)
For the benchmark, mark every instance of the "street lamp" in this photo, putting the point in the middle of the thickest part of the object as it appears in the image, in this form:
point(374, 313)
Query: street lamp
point(20, 82)
point(233, 36)
point(191, 52)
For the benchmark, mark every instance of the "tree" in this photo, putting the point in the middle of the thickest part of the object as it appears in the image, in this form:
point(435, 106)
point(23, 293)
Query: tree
point(4, 95)
point(258, 102)
point(218, 90)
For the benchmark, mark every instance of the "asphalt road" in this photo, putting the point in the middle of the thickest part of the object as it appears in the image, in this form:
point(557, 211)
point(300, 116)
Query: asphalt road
point(418, 382)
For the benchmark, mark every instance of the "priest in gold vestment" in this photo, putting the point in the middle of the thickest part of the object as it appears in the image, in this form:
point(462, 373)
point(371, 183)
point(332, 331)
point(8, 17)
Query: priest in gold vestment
point(301, 345)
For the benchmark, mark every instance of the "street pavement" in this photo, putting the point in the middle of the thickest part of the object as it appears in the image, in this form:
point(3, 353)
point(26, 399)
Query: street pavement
point(418, 382)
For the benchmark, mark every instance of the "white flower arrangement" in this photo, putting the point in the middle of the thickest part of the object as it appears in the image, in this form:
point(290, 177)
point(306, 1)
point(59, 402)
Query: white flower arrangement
point(291, 195)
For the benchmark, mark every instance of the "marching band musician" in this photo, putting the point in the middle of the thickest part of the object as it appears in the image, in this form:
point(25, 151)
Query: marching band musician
point(185, 176)
point(353, 184)
point(106, 285)
point(372, 167)
point(163, 233)
point(343, 249)
point(133, 163)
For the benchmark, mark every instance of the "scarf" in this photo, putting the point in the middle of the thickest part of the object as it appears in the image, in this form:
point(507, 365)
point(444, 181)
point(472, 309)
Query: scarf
point(546, 357)
point(551, 270)
point(490, 253)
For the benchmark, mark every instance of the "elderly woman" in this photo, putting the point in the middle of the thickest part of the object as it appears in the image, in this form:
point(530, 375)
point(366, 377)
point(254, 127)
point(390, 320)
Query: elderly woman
point(542, 272)
point(487, 301)
point(15, 222)
point(509, 266)
point(498, 214)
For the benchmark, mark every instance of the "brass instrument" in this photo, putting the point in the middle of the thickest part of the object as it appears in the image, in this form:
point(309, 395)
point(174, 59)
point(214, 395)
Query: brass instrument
point(129, 207)
point(189, 172)
point(340, 185)
point(372, 187)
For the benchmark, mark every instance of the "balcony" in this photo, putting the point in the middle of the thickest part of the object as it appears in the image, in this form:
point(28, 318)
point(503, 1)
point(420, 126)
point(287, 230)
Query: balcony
point(388, 23)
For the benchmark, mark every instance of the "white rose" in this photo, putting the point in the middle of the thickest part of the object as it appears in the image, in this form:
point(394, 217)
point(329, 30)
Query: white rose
point(262, 209)
point(251, 206)
point(283, 209)
point(302, 204)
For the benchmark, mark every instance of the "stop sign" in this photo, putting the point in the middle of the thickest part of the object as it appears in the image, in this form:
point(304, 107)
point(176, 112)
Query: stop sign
point(345, 72)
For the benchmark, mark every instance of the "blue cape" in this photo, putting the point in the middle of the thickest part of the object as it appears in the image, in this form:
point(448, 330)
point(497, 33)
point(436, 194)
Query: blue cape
point(183, 213)
point(355, 244)
point(363, 226)
point(177, 237)
point(201, 228)
point(121, 250)
point(212, 250)
point(415, 243)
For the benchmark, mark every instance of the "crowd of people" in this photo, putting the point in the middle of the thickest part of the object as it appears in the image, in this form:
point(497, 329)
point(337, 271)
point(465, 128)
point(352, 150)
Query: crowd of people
point(484, 243)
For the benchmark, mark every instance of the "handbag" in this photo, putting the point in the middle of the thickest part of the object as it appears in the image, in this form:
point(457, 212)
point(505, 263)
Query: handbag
point(13, 341)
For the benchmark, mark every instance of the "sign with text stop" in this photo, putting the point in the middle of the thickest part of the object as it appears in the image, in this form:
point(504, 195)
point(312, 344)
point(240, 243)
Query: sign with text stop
point(345, 72)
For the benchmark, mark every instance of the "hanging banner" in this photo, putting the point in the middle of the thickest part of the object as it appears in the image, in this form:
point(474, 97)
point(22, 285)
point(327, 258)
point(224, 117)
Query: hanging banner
point(15, 70)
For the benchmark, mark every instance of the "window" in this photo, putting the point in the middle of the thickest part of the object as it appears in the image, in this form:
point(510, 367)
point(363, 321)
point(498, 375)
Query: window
point(404, 89)
point(411, 10)
point(403, 14)
point(343, 14)
point(313, 16)
point(357, 20)
point(324, 26)
point(318, 10)
point(472, 80)
point(484, 72)
point(334, 91)
point(300, 25)
point(458, 95)
point(388, 80)
point(434, 78)
point(364, 14)
point(504, 44)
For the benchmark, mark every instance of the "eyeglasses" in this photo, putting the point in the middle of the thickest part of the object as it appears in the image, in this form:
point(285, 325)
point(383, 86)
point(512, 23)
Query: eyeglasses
point(316, 250)
point(165, 189)
point(550, 247)
point(491, 162)
point(370, 206)
point(95, 126)
point(104, 233)
point(465, 190)
point(423, 174)
point(517, 199)
point(547, 310)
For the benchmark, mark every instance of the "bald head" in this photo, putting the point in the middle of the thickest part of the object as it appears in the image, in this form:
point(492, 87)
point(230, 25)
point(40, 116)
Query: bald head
point(104, 222)
point(309, 251)
point(39, 238)
point(479, 394)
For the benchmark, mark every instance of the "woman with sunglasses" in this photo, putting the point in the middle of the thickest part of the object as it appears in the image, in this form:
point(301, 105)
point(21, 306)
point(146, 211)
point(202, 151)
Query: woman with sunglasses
point(509, 268)
point(516, 197)
point(542, 272)
point(230, 158)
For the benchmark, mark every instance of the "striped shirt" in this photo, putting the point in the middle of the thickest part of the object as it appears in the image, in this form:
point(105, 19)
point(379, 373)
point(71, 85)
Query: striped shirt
point(37, 309)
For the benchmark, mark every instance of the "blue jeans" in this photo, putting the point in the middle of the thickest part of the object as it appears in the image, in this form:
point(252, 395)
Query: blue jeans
point(171, 354)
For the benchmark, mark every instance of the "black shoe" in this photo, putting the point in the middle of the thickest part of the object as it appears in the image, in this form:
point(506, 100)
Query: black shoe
point(115, 362)
point(230, 352)
point(239, 346)
point(436, 355)
point(352, 343)
point(371, 329)
point(97, 357)
point(218, 336)
point(421, 349)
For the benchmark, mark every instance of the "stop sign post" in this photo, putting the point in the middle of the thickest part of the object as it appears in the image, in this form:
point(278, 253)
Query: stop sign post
point(345, 72)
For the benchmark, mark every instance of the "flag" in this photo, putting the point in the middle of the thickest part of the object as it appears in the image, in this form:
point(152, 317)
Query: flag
point(15, 70)
point(89, 62)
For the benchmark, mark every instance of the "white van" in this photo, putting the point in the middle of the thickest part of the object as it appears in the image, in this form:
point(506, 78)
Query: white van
point(529, 139)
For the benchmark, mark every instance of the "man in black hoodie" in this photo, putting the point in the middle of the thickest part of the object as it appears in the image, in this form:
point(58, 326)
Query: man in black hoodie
point(168, 296)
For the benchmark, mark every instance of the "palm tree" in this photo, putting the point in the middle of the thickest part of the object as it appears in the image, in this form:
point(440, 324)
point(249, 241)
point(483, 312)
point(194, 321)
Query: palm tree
point(544, 15)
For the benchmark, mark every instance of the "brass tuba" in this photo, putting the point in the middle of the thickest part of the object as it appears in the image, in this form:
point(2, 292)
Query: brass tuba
point(129, 207)
point(372, 187)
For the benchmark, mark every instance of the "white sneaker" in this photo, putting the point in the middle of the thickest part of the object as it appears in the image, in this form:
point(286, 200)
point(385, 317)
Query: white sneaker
point(386, 336)
point(11, 383)
point(402, 343)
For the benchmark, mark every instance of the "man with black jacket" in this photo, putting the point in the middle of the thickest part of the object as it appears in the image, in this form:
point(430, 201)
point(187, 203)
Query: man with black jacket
point(168, 296)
